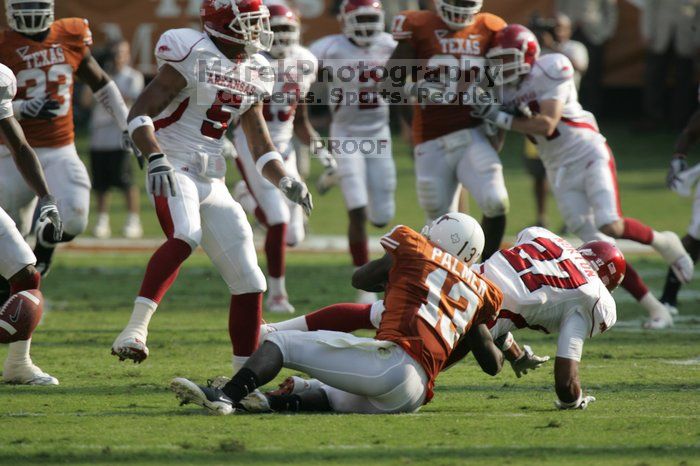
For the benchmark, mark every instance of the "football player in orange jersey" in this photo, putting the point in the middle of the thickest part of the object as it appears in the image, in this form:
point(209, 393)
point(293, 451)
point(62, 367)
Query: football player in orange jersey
point(451, 145)
point(45, 55)
point(433, 298)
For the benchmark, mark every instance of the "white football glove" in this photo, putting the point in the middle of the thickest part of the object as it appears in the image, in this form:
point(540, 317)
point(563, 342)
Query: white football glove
point(483, 104)
point(297, 192)
point(49, 210)
point(40, 107)
point(528, 361)
point(161, 176)
point(678, 165)
point(579, 404)
point(326, 159)
point(427, 92)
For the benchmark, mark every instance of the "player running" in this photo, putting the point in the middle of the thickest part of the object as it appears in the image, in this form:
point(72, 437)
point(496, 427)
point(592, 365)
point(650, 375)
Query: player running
point(45, 55)
point(360, 122)
point(287, 116)
point(682, 180)
point(433, 299)
point(16, 257)
point(579, 163)
point(205, 79)
point(547, 285)
point(451, 146)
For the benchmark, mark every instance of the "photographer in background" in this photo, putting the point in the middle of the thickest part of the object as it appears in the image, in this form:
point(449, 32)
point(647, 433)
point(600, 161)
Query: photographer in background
point(111, 164)
point(554, 35)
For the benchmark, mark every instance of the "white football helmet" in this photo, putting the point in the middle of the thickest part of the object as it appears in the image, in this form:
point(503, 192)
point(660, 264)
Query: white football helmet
point(362, 20)
point(29, 16)
point(458, 13)
point(457, 234)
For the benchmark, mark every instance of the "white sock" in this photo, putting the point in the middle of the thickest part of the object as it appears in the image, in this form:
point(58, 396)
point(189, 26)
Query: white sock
point(103, 217)
point(140, 318)
point(297, 323)
point(133, 219)
point(238, 363)
point(277, 286)
point(653, 306)
point(658, 241)
point(18, 353)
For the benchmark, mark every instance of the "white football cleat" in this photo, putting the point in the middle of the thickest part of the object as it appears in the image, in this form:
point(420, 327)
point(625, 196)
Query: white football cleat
point(673, 310)
point(130, 348)
point(672, 250)
point(365, 297)
point(27, 374)
point(279, 305)
point(659, 322)
point(210, 398)
point(256, 402)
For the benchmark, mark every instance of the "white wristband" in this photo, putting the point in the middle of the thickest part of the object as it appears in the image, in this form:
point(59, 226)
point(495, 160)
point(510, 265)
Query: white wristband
point(507, 343)
point(503, 120)
point(138, 122)
point(17, 108)
point(267, 158)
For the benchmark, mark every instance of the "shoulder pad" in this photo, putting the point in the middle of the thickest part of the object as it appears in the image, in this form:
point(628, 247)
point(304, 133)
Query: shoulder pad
point(555, 66)
point(491, 22)
point(321, 47)
point(532, 232)
point(8, 83)
point(75, 28)
point(176, 45)
point(387, 40)
point(308, 60)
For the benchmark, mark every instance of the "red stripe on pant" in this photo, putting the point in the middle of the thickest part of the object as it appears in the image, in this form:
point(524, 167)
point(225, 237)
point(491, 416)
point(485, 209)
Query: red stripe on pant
point(613, 172)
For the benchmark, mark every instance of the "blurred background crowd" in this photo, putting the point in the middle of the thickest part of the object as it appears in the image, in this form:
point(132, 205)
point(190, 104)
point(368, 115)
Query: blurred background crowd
point(636, 60)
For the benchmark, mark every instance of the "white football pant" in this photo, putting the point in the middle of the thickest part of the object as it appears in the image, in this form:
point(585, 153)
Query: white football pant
point(15, 253)
point(361, 375)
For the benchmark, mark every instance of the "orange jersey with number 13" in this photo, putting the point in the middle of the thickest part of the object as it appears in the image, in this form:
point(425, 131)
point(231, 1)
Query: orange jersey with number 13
point(46, 69)
point(431, 300)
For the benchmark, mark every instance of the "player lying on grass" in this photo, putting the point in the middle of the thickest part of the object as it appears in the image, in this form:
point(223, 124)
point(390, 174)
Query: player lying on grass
point(433, 299)
point(579, 163)
point(17, 260)
point(547, 285)
point(683, 180)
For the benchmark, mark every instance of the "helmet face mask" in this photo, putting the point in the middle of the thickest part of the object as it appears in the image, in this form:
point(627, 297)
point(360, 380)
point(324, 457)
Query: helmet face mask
point(362, 21)
point(29, 16)
point(512, 63)
point(238, 22)
point(515, 50)
point(458, 13)
point(457, 234)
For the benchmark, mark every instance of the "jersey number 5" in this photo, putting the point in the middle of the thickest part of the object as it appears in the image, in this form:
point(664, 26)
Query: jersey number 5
point(218, 115)
point(545, 250)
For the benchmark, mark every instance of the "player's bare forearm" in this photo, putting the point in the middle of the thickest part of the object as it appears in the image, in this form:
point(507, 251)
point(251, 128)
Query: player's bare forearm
point(489, 357)
point(513, 353)
point(303, 129)
point(153, 100)
point(260, 142)
point(24, 156)
point(374, 275)
point(460, 351)
point(689, 137)
point(543, 123)
point(566, 380)
point(92, 74)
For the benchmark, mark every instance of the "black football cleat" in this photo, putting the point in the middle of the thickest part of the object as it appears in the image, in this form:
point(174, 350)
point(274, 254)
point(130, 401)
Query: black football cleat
point(212, 399)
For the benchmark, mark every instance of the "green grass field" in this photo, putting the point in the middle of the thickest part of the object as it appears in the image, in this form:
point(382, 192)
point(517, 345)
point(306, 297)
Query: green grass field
point(106, 412)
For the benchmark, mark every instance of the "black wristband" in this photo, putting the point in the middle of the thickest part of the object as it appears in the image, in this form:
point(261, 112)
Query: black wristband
point(156, 156)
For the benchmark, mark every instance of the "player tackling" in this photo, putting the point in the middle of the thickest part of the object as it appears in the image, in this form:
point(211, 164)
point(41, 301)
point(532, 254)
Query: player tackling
point(205, 79)
point(540, 100)
point(16, 257)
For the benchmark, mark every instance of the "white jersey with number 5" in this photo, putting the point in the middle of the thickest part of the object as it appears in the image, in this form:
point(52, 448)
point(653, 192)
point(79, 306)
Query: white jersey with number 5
point(350, 75)
point(545, 280)
point(8, 89)
point(577, 135)
point(217, 90)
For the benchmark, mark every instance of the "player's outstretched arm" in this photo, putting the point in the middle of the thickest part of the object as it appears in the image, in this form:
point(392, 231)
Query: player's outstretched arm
point(106, 91)
point(687, 139)
point(268, 160)
point(567, 384)
point(153, 100)
point(374, 275)
point(28, 165)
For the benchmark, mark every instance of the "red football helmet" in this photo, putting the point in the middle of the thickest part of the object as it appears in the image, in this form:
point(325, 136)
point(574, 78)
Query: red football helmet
point(362, 20)
point(517, 48)
point(245, 22)
point(458, 14)
point(607, 261)
point(286, 28)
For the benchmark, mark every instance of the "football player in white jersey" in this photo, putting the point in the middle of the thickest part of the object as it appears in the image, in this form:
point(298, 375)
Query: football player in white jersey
point(360, 121)
point(580, 165)
point(547, 285)
point(683, 180)
point(206, 79)
point(16, 257)
point(286, 115)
